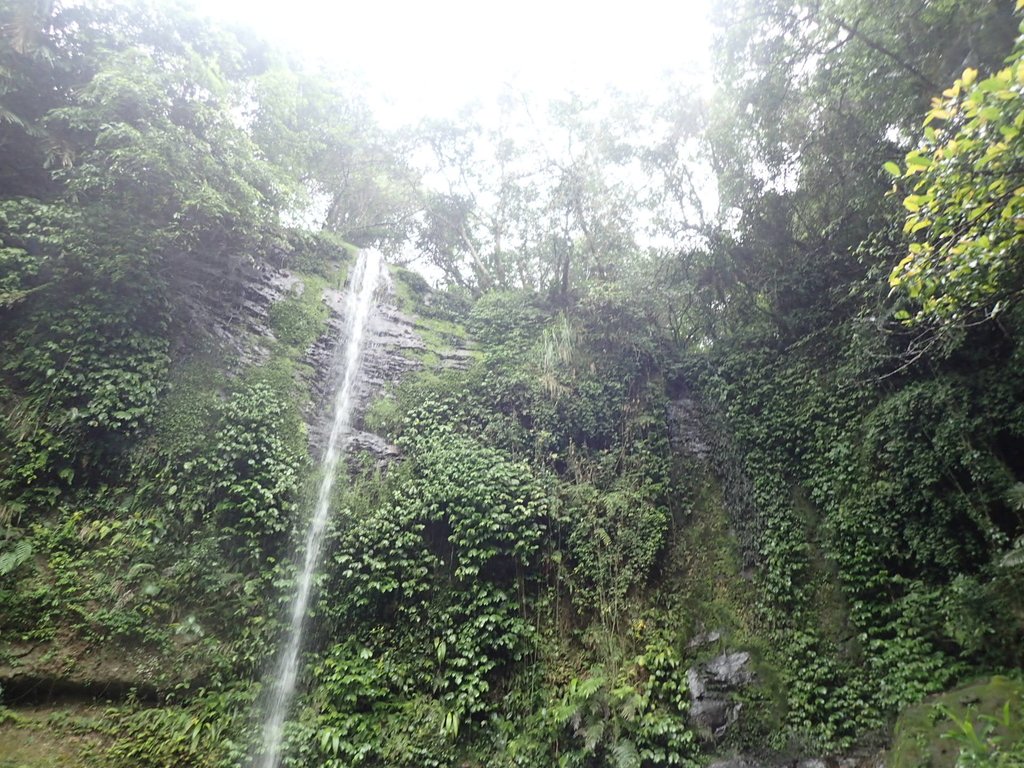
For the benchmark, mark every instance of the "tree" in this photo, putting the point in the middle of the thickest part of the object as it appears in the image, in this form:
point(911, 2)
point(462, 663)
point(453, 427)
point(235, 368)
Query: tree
point(340, 170)
point(41, 64)
point(966, 201)
point(528, 203)
point(815, 98)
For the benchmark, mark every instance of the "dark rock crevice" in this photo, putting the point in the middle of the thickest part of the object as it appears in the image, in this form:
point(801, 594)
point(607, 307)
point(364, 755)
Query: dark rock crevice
point(36, 689)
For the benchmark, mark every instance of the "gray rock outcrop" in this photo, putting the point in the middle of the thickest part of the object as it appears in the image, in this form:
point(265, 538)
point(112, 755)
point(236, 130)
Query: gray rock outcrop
point(712, 683)
point(686, 428)
point(390, 334)
point(391, 347)
point(874, 760)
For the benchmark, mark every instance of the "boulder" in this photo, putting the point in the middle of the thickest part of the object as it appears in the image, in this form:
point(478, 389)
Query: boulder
point(712, 683)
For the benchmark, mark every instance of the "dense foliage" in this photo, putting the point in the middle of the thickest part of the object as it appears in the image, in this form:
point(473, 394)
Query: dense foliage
point(966, 199)
point(153, 456)
point(750, 408)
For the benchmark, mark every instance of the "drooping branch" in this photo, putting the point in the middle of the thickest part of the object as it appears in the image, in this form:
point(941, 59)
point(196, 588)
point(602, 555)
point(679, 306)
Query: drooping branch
point(854, 31)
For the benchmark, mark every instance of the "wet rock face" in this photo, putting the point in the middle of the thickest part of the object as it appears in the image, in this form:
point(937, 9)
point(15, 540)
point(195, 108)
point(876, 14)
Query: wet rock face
point(389, 335)
point(231, 305)
point(361, 444)
point(33, 673)
point(705, 638)
point(686, 428)
point(736, 762)
point(234, 308)
point(697, 432)
point(712, 683)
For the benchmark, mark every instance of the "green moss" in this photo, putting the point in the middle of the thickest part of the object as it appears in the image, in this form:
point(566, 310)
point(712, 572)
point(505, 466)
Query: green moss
point(426, 357)
point(920, 739)
point(711, 593)
point(280, 372)
point(187, 412)
point(705, 563)
point(42, 738)
point(298, 319)
point(438, 317)
point(443, 332)
point(383, 414)
point(439, 331)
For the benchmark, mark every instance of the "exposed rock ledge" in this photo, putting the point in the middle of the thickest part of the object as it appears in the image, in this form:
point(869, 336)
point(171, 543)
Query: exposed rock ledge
point(35, 673)
point(388, 356)
point(712, 709)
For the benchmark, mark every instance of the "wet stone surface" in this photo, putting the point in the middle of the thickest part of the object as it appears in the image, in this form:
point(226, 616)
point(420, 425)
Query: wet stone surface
point(686, 427)
point(711, 683)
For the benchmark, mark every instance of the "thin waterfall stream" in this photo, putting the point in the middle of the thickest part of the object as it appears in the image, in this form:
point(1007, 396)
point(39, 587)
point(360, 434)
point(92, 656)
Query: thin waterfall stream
point(363, 283)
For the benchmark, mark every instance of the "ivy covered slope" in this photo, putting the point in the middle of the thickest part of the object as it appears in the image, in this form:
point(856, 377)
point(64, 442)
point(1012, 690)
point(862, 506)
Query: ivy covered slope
point(158, 314)
point(569, 546)
point(881, 429)
point(520, 589)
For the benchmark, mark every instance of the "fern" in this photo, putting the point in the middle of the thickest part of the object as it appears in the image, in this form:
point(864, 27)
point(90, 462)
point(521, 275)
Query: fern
point(625, 755)
point(1015, 556)
point(592, 735)
point(1015, 497)
point(13, 558)
point(584, 689)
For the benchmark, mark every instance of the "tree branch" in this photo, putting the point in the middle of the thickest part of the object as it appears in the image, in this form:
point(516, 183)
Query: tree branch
point(855, 32)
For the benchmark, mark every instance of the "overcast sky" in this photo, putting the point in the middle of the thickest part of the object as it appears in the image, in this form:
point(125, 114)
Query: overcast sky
point(428, 58)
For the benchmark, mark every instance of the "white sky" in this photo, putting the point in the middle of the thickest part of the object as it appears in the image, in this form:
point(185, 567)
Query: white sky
point(427, 59)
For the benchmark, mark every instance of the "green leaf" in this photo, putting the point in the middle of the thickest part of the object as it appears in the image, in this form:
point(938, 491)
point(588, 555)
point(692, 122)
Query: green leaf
point(15, 557)
point(917, 160)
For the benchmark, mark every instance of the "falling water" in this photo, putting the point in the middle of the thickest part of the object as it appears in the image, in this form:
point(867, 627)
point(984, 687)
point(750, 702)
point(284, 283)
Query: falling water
point(362, 286)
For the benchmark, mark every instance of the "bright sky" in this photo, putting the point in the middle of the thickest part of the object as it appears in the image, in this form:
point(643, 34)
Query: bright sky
point(428, 58)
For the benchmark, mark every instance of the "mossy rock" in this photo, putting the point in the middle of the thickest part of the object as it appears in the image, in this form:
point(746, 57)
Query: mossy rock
point(921, 738)
point(299, 318)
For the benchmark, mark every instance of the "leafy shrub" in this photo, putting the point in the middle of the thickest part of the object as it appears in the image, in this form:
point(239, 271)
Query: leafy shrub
point(506, 320)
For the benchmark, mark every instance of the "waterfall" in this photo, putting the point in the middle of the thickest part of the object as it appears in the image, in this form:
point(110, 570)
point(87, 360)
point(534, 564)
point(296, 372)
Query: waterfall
point(363, 281)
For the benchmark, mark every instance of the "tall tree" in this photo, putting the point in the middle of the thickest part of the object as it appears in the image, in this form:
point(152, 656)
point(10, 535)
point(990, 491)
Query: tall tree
point(815, 98)
point(341, 170)
point(542, 202)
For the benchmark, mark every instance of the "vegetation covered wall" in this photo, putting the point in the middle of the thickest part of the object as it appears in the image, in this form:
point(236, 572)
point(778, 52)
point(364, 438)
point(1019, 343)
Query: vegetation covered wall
point(733, 464)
